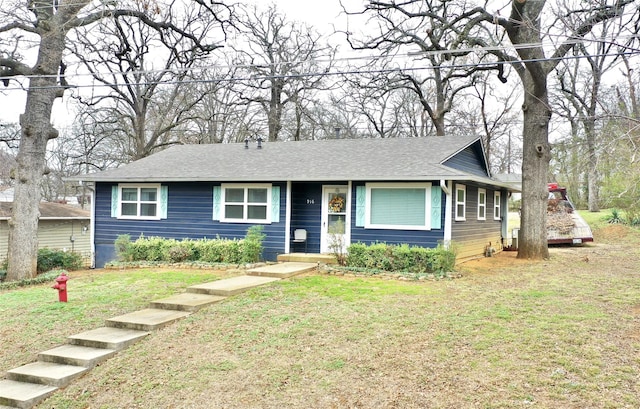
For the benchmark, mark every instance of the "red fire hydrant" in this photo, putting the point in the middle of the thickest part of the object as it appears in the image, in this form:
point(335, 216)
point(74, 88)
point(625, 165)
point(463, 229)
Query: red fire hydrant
point(61, 286)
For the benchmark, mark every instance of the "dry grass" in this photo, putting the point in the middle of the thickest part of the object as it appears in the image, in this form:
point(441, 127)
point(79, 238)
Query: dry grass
point(509, 334)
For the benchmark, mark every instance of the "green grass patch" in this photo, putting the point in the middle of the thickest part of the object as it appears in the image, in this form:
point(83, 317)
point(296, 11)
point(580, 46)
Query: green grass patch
point(559, 333)
point(37, 320)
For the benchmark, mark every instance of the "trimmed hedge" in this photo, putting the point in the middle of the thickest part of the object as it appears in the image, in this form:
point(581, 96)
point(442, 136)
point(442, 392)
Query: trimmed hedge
point(247, 250)
point(386, 257)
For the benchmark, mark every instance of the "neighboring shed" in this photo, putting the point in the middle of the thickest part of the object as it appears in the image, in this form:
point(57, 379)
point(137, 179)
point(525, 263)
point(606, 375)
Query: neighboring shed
point(60, 227)
point(419, 191)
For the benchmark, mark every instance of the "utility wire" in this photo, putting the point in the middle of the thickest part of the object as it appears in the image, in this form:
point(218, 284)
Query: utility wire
point(408, 55)
point(313, 74)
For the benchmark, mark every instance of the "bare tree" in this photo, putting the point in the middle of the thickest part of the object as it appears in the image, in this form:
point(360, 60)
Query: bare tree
point(138, 77)
point(282, 58)
point(9, 138)
point(372, 99)
point(524, 29)
point(434, 34)
point(582, 88)
point(219, 116)
point(488, 111)
point(46, 25)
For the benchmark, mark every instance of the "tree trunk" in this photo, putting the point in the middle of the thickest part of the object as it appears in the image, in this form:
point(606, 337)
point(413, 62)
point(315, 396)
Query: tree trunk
point(535, 168)
point(36, 131)
point(592, 156)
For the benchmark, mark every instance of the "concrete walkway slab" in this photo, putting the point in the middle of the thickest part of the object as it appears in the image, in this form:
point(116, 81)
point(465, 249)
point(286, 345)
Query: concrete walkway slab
point(230, 286)
point(46, 373)
point(148, 319)
point(23, 395)
point(283, 270)
point(186, 301)
point(76, 355)
point(108, 338)
point(308, 258)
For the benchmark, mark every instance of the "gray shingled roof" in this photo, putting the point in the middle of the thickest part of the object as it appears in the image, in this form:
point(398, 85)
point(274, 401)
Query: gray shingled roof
point(49, 211)
point(344, 159)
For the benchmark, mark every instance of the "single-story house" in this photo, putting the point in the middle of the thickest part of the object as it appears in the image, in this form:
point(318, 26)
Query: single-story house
point(61, 227)
point(419, 191)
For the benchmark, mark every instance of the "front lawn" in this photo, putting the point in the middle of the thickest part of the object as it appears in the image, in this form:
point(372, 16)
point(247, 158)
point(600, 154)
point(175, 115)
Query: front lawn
point(508, 334)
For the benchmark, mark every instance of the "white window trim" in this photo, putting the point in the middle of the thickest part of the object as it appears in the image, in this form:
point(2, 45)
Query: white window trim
point(427, 210)
point(245, 186)
point(464, 203)
point(139, 186)
point(497, 203)
point(482, 205)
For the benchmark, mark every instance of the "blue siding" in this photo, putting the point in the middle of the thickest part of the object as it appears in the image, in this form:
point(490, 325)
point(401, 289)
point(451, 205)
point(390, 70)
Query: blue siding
point(469, 160)
point(422, 238)
point(190, 215)
point(306, 213)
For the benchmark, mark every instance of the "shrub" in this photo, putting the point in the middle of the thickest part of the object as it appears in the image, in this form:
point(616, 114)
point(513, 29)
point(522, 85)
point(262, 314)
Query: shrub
point(401, 258)
point(252, 244)
point(179, 252)
point(247, 250)
point(50, 259)
point(124, 250)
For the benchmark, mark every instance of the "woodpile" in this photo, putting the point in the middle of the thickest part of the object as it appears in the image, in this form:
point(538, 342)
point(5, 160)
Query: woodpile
point(559, 216)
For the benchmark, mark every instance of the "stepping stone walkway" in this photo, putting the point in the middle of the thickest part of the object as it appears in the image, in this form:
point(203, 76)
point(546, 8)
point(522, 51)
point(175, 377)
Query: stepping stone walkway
point(26, 386)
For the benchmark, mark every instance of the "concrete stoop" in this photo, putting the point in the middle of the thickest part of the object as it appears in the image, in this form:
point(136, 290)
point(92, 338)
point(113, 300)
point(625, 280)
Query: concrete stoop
point(284, 270)
point(26, 386)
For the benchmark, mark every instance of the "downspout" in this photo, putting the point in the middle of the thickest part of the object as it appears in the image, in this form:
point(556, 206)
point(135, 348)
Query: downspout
point(287, 223)
point(92, 222)
point(443, 186)
point(448, 219)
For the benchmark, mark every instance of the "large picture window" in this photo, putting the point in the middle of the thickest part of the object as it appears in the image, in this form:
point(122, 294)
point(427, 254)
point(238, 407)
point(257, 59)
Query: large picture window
point(404, 206)
point(461, 202)
point(139, 202)
point(246, 203)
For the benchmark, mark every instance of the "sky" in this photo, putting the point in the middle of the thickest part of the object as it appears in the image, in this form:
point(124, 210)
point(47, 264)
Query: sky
point(322, 14)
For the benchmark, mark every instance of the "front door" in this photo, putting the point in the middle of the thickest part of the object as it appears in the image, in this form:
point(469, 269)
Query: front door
point(334, 236)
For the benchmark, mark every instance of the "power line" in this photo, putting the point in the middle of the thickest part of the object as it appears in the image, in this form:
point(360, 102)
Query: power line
point(408, 55)
point(315, 74)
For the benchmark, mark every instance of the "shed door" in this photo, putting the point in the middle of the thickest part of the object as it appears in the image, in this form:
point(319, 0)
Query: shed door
point(334, 235)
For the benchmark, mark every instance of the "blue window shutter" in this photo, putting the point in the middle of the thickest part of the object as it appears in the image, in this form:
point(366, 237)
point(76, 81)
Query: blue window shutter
point(115, 193)
point(164, 199)
point(217, 202)
point(275, 204)
point(436, 207)
point(361, 195)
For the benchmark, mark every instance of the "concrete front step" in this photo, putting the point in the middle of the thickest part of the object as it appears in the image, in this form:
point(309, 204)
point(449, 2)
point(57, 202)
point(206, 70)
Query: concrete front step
point(148, 319)
point(23, 395)
point(283, 270)
point(108, 338)
point(46, 373)
point(186, 301)
point(76, 355)
point(307, 258)
point(230, 286)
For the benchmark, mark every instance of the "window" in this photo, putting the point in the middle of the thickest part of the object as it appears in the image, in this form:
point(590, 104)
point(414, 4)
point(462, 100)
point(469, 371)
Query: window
point(139, 202)
point(246, 203)
point(403, 206)
point(482, 204)
point(497, 212)
point(461, 198)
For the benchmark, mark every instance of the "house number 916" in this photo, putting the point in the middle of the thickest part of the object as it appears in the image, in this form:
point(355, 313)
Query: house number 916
point(311, 201)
